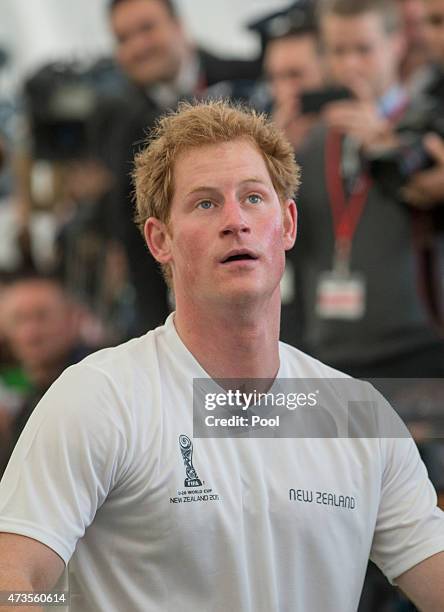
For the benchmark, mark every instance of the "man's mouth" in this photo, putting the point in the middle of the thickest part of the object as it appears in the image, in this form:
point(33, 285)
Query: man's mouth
point(239, 255)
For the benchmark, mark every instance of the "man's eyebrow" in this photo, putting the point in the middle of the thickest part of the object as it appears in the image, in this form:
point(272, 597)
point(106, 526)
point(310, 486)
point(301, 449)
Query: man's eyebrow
point(202, 189)
point(209, 189)
point(254, 179)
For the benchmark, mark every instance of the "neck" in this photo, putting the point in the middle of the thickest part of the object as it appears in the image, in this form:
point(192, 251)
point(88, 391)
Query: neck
point(238, 341)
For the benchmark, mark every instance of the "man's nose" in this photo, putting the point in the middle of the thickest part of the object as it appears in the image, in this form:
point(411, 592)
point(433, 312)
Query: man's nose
point(350, 64)
point(133, 45)
point(234, 218)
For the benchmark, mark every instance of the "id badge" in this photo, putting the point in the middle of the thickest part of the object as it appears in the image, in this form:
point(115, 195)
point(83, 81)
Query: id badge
point(341, 296)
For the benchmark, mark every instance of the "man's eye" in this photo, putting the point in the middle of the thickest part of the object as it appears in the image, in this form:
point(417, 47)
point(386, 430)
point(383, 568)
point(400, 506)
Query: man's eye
point(338, 51)
point(205, 204)
point(254, 198)
point(364, 49)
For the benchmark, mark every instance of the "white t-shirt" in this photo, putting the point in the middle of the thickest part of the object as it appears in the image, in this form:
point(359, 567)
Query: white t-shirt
point(98, 476)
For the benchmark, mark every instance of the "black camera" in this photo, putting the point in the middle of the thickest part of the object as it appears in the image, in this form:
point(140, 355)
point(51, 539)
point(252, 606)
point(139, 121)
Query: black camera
point(315, 100)
point(392, 168)
point(61, 99)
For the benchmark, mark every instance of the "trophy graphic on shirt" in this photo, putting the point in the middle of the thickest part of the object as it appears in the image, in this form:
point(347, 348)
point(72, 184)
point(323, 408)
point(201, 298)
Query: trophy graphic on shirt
point(186, 448)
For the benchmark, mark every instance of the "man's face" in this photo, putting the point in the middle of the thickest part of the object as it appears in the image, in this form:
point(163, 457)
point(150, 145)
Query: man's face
point(38, 323)
point(434, 28)
point(228, 233)
point(292, 65)
point(412, 12)
point(149, 41)
point(359, 50)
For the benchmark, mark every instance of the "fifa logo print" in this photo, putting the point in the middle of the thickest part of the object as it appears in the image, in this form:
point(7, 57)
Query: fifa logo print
point(186, 448)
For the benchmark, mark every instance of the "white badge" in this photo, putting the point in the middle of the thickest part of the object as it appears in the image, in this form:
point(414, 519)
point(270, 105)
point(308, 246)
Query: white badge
point(340, 296)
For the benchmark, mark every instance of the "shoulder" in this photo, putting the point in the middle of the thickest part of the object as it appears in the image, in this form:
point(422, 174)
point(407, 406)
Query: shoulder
point(109, 382)
point(121, 365)
point(358, 409)
point(111, 358)
point(105, 403)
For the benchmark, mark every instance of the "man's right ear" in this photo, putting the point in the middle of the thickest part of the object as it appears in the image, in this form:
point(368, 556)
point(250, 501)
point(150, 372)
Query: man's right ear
point(158, 239)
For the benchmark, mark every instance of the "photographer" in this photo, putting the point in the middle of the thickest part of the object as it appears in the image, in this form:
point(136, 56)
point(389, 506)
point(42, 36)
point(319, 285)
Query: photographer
point(363, 310)
point(426, 189)
point(293, 64)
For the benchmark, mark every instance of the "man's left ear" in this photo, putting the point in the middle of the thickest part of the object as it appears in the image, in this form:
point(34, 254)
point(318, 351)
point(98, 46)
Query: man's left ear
point(290, 223)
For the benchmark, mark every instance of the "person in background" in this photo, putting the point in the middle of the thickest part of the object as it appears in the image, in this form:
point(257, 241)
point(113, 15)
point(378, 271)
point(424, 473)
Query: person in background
point(42, 327)
point(352, 278)
point(424, 189)
point(293, 64)
point(434, 29)
point(413, 66)
point(156, 54)
point(14, 386)
point(162, 66)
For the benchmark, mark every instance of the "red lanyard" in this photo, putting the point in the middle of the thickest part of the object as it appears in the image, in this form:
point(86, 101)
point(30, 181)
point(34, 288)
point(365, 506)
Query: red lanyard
point(346, 212)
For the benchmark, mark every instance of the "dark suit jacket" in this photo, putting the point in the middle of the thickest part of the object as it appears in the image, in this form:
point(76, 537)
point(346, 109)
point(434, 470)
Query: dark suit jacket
point(216, 69)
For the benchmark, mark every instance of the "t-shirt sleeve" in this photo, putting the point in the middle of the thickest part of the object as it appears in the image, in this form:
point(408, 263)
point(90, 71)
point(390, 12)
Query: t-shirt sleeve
point(68, 458)
point(409, 526)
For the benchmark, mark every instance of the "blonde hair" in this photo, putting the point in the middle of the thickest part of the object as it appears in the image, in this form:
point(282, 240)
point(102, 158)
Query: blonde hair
point(195, 124)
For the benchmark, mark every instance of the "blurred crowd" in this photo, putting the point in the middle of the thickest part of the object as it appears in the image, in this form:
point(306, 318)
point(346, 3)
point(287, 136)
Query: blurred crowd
point(358, 88)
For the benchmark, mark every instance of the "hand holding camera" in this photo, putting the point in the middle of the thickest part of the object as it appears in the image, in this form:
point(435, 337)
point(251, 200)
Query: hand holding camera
point(359, 118)
point(426, 189)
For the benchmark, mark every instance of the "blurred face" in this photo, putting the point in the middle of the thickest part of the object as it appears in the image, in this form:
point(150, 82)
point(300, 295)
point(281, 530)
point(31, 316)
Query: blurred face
point(292, 65)
point(358, 49)
point(412, 12)
point(434, 28)
point(38, 323)
point(228, 232)
point(150, 41)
